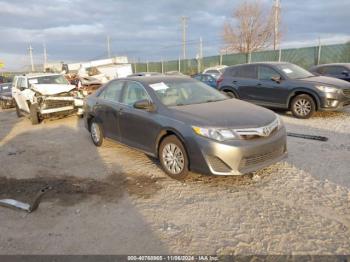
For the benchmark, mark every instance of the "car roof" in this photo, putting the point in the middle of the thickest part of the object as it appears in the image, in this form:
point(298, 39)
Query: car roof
point(332, 64)
point(263, 63)
point(147, 80)
point(32, 75)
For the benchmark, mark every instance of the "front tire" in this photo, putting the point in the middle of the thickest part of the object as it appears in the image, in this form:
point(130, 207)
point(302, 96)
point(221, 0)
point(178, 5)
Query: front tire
point(96, 133)
point(173, 157)
point(34, 115)
point(303, 106)
point(18, 111)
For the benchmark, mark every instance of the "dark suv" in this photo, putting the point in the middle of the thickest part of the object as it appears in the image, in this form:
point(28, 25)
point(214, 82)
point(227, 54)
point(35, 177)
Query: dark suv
point(286, 86)
point(339, 70)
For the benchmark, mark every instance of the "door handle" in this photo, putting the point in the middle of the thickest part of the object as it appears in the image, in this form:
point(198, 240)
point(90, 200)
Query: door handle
point(120, 111)
point(234, 81)
point(258, 84)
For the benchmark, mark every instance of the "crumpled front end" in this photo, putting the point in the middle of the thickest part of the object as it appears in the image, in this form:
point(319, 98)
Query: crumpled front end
point(63, 104)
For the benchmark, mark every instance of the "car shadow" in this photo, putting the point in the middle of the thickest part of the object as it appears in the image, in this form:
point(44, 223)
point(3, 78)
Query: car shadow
point(90, 209)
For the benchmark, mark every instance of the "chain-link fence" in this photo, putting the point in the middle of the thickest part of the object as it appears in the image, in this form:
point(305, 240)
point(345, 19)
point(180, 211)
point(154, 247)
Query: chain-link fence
point(304, 57)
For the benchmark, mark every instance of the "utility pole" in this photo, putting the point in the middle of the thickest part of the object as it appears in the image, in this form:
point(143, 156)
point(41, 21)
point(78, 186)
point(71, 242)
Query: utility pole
point(200, 55)
point(319, 51)
point(45, 56)
point(30, 49)
point(162, 65)
point(184, 25)
point(276, 23)
point(109, 46)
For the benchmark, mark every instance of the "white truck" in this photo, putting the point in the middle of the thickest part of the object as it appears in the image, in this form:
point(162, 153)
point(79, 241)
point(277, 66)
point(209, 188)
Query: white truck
point(45, 95)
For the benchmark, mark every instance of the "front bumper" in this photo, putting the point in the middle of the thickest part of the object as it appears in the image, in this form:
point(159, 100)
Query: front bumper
point(61, 105)
point(334, 101)
point(238, 157)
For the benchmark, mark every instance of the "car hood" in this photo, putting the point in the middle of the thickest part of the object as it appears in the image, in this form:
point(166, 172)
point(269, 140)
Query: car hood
point(230, 113)
point(51, 89)
point(325, 80)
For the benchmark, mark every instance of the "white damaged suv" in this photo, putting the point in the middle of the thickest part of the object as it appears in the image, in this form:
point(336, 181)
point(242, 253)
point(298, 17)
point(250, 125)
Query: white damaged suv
point(44, 95)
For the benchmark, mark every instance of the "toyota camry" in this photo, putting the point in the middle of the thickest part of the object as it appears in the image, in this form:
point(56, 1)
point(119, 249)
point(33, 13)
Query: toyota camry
point(186, 124)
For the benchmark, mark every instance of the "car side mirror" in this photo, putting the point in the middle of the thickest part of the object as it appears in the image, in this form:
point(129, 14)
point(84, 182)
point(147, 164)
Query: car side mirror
point(144, 104)
point(346, 73)
point(22, 88)
point(277, 79)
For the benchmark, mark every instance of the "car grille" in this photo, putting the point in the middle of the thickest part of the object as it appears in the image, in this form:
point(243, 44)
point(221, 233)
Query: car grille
point(49, 104)
point(261, 158)
point(218, 165)
point(346, 92)
point(251, 133)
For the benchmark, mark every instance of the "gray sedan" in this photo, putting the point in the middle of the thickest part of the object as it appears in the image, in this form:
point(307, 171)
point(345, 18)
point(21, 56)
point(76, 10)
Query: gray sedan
point(186, 124)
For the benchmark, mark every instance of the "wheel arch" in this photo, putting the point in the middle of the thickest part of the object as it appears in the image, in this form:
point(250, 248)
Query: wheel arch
point(229, 89)
point(311, 93)
point(165, 132)
point(89, 118)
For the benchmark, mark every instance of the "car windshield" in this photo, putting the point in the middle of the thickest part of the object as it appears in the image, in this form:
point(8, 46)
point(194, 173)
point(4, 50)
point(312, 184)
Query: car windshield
point(185, 92)
point(50, 79)
point(294, 72)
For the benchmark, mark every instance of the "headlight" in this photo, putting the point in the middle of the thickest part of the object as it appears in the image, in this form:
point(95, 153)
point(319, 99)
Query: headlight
point(214, 133)
point(328, 89)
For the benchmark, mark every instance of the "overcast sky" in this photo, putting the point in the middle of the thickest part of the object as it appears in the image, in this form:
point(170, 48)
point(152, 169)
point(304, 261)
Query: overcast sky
point(76, 30)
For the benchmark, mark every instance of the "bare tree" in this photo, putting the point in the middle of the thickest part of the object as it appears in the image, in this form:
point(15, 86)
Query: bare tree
point(252, 31)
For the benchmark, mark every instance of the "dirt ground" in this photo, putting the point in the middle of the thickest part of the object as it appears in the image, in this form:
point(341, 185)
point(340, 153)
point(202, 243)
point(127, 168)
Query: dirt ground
point(115, 200)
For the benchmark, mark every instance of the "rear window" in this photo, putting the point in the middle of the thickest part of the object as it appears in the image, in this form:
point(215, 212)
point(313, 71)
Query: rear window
point(248, 71)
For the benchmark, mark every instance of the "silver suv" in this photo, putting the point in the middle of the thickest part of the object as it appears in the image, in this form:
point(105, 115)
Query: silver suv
point(45, 95)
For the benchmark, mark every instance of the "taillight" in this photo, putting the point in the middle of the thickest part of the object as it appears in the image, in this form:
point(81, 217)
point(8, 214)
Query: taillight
point(219, 80)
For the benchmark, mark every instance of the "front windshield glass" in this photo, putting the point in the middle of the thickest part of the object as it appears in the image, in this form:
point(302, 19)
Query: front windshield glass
point(50, 79)
point(185, 92)
point(294, 72)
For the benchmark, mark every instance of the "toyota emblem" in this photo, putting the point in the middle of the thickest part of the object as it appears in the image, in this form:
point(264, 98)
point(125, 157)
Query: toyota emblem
point(266, 131)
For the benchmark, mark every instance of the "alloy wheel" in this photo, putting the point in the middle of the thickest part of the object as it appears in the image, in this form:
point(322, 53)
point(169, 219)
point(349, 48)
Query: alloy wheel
point(173, 158)
point(303, 107)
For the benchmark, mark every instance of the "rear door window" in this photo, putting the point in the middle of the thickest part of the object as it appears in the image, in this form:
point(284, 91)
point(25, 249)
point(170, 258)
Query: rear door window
point(113, 91)
point(247, 71)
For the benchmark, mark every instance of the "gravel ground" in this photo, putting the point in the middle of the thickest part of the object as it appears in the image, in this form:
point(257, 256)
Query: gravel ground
point(115, 200)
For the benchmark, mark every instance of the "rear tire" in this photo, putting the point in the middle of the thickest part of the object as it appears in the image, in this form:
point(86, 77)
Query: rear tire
point(173, 158)
point(303, 106)
point(34, 115)
point(231, 94)
point(96, 133)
